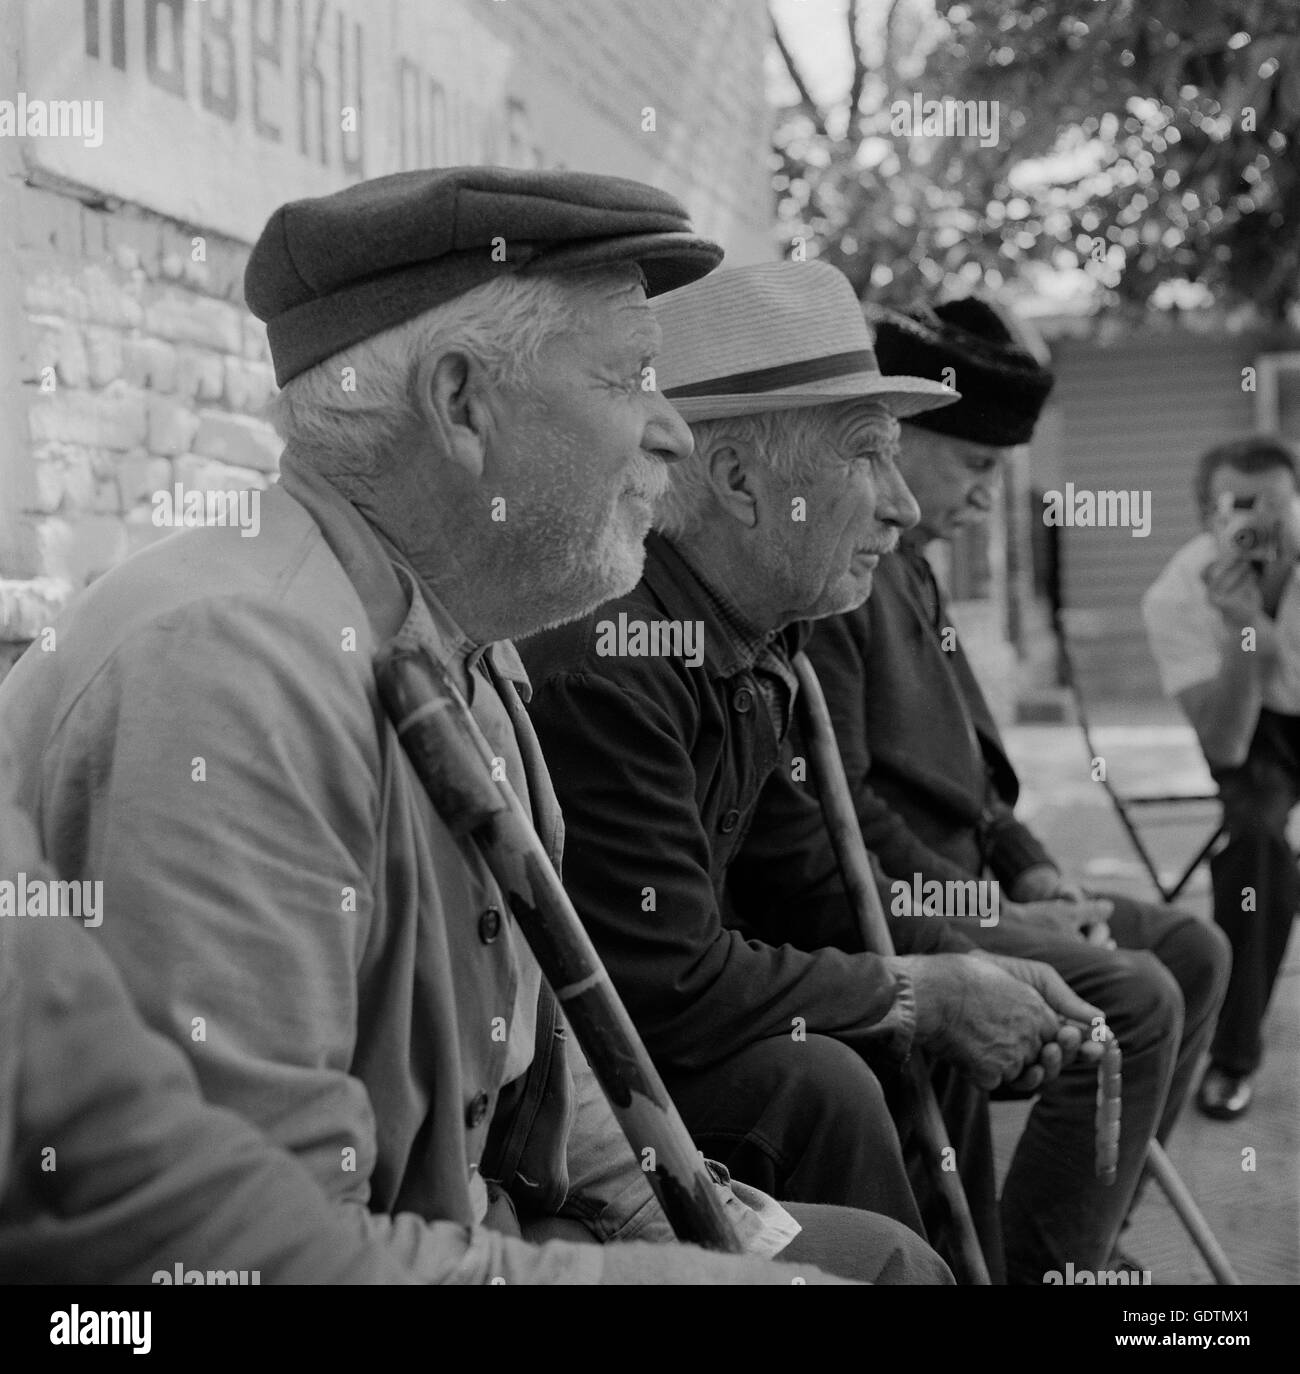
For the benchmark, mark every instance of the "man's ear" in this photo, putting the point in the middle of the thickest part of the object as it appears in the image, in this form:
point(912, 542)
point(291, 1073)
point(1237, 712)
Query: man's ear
point(451, 397)
point(732, 481)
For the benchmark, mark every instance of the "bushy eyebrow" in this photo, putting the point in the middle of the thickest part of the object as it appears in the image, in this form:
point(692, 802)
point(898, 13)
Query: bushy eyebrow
point(875, 433)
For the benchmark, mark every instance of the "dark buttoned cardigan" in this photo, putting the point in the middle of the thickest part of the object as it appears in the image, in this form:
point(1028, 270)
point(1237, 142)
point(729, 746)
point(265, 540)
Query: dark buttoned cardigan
point(659, 766)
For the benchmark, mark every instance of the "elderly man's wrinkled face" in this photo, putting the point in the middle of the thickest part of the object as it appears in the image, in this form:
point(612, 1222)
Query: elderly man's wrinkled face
point(580, 457)
point(857, 505)
point(952, 479)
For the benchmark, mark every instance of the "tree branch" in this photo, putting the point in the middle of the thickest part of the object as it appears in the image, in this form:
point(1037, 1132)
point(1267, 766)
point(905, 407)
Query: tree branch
point(811, 108)
point(859, 66)
point(890, 63)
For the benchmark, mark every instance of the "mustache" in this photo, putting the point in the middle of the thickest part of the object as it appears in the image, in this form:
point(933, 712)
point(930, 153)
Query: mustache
point(883, 546)
point(649, 479)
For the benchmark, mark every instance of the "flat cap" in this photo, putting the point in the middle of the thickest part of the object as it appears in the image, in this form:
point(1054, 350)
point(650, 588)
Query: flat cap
point(1003, 386)
point(330, 271)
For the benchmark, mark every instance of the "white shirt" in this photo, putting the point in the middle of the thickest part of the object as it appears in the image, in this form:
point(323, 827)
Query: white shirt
point(1188, 636)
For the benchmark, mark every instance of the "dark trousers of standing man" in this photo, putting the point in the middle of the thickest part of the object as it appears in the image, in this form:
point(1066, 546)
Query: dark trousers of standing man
point(1256, 886)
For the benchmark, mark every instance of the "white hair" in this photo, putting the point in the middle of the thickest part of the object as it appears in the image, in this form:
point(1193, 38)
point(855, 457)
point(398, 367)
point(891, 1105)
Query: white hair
point(795, 445)
point(348, 421)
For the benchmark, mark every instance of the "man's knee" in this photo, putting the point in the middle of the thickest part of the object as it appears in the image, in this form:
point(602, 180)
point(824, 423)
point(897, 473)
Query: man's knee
point(1200, 957)
point(825, 1084)
point(1142, 1001)
point(835, 1072)
point(1197, 953)
point(812, 1097)
point(863, 1246)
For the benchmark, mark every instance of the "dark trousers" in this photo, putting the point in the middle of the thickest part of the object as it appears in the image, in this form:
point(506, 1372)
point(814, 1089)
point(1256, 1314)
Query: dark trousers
point(808, 1121)
point(1256, 886)
point(1160, 991)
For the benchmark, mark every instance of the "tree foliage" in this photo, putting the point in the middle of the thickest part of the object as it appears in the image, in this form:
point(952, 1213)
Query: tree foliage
point(1149, 147)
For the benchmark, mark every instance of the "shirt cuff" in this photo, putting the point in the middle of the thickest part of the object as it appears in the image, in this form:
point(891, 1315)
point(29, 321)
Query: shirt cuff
point(1010, 849)
point(899, 1023)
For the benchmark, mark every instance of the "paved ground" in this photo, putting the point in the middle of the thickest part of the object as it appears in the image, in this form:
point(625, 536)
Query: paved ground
point(1256, 1215)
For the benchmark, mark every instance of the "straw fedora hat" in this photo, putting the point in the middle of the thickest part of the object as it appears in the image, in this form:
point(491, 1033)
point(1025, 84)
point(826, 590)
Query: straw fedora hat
point(775, 336)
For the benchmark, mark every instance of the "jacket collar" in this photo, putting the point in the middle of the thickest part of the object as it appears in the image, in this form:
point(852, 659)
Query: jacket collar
point(399, 604)
point(730, 646)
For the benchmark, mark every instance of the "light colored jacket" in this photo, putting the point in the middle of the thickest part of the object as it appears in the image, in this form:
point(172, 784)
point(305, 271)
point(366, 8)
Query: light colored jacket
point(112, 1168)
point(204, 737)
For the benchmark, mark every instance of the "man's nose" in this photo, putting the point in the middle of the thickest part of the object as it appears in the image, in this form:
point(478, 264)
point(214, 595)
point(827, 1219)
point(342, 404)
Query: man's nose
point(668, 437)
point(895, 504)
point(981, 497)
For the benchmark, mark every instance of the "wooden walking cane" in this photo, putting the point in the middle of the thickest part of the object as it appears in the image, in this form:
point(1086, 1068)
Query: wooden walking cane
point(455, 764)
point(846, 839)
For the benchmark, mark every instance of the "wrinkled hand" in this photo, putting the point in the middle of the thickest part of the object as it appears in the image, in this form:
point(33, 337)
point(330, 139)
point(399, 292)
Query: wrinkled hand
point(1000, 1019)
point(1075, 1017)
point(1085, 917)
point(1041, 893)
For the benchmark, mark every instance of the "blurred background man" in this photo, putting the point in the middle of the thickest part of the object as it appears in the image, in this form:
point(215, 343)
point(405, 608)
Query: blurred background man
point(1224, 624)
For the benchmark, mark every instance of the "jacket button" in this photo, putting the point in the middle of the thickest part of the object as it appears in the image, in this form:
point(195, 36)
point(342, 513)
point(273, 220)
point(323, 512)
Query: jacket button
point(743, 700)
point(729, 822)
point(489, 925)
point(477, 1110)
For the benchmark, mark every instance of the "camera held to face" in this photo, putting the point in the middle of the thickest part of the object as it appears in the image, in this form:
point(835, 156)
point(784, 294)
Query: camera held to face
point(1247, 532)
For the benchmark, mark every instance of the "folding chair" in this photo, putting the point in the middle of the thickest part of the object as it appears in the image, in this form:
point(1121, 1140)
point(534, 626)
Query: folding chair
point(1125, 805)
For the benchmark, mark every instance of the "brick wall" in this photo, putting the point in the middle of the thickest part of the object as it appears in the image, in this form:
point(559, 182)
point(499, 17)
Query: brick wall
point(140, 367)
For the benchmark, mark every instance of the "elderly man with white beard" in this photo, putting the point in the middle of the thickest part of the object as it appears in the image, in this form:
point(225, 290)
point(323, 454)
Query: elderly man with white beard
point(470, 454)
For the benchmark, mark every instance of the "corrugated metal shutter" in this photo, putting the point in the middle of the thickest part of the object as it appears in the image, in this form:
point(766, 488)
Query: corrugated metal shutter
point(1137, 415)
